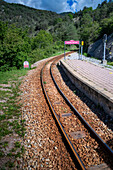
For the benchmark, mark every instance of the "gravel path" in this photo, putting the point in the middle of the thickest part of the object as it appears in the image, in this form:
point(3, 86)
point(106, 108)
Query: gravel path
point(43, 144)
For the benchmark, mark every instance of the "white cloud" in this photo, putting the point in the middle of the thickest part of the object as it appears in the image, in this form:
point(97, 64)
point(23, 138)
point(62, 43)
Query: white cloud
point(58, 5)
point(74, 7)
point(88, 3)
point(30, 3)
point(33, 3)
point(55, 5)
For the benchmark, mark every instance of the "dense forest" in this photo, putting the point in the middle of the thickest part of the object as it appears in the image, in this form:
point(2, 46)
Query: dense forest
point(30, 34)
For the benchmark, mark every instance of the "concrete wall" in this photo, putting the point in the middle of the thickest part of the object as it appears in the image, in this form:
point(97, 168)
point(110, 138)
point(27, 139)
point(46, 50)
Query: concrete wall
point(96, 94)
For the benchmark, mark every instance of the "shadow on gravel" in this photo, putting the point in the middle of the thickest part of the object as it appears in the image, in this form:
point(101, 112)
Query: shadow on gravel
point(108, 120)
point(99, 112)
point(107, 158)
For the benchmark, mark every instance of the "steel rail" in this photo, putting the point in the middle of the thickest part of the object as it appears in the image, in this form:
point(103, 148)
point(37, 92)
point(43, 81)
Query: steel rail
point(81, 165)
point(91, 130)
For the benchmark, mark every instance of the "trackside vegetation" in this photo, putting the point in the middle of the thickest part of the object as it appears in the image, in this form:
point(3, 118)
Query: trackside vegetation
point(16, 46)
point(11, 123)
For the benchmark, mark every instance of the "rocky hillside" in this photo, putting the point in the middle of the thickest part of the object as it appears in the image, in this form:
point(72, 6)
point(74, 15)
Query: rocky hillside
point(96, 49)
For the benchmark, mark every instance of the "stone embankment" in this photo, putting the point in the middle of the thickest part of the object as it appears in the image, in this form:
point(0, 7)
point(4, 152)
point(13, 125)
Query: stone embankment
point(96, 49)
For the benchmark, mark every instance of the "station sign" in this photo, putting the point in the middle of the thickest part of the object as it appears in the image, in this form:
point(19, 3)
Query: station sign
point(26, 64)
point(71, 42)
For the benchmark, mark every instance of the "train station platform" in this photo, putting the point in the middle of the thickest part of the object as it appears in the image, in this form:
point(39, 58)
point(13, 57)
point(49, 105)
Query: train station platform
point(92, 78)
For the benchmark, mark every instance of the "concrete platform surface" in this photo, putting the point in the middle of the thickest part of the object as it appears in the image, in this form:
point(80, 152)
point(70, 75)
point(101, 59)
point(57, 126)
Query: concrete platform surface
point(99, 76)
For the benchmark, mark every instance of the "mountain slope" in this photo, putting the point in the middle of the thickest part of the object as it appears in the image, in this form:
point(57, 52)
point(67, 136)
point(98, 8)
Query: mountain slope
point(34, 19)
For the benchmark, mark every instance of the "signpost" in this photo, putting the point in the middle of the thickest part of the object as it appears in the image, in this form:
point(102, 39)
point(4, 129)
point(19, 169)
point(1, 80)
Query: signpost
point(69, 42)
point(26, 64)
point(79, 48)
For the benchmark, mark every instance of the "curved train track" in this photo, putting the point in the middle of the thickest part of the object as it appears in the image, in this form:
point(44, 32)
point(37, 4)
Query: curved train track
point(69, 119)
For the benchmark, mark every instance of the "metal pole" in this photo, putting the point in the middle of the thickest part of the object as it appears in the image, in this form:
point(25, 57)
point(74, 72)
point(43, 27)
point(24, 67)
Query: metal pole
point(64, 49)
point(105, 40)
point(81, 51)
point(104, 50)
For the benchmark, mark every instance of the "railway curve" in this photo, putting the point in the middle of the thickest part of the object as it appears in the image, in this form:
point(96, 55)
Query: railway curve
point(57, 116)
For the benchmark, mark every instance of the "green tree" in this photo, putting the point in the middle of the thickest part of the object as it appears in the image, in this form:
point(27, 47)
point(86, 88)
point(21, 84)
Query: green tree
point(104, 11)
point(15, 47)
point(71, 33)
point(90, 34)
point(107, 25)
point(86, 20)
point(70, 15)
point(3, 29)
point(42, 40)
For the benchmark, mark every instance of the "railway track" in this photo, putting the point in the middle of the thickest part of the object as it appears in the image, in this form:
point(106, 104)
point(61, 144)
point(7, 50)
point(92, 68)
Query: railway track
point(43, 144)
point(84, 143)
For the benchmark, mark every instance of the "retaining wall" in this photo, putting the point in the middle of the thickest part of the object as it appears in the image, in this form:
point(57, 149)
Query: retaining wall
point(99, 96)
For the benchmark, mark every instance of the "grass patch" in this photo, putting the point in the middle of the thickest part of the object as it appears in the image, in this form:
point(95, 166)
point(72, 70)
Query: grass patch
point(85, 54)
point(12, 75)
point(110, 63)
point(58, 53)
point(10, 164)
point(4, 93)
point(74, 91)
point(1, 154)
point(94, 58)
point(17, 144)
point(4, 129)
point(5, 144)
point(2, 117)
point(10, 120)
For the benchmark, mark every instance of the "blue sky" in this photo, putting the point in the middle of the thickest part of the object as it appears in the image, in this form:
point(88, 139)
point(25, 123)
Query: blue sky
point(58, 5)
